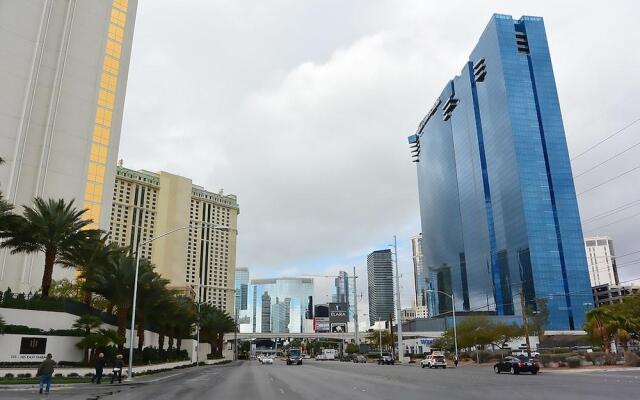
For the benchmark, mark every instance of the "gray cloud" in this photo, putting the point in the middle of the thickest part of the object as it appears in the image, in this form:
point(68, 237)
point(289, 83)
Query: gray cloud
point(302, 109)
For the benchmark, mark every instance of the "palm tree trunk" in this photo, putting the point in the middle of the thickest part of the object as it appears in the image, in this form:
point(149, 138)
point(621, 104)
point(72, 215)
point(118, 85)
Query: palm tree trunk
point(86, 298)
point(140, 335)
point(49, 258)
point(170, 342)
point(178, 342)
point(161, 339)
point(121, 316)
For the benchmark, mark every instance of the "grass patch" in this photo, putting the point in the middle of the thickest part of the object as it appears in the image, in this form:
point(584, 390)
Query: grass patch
point(34, 381)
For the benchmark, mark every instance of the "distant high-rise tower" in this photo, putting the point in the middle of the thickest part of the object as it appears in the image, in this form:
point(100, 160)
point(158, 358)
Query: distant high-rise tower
point(341, 289)
point(266, 312)
point(264, 294)
point(380, 283)
point(62, 90)
point(497, 199)
point(602, 261)
point(242, 288)
point(420, 277)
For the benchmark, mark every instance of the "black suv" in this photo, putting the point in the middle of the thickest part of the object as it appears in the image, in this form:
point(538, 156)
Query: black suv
point(294, 356)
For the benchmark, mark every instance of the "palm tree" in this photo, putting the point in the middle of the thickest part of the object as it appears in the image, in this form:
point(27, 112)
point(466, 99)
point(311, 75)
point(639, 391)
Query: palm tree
point(115, 283)
point(601, 325)
point(214, 323)
point(51, 227)
point(99, 340)
point(87, 324)
point(6, 215)
point(91, 255)
point(152, 291)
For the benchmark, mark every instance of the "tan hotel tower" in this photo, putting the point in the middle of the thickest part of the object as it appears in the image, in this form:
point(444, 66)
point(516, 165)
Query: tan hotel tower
point(147, 204)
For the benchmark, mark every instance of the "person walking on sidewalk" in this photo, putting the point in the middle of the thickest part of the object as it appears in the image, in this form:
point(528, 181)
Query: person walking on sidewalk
point(100, 361)
point(45, 372)
point(117, 369)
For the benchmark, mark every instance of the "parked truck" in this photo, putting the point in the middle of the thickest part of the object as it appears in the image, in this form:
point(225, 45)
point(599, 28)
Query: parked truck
point(326, 354)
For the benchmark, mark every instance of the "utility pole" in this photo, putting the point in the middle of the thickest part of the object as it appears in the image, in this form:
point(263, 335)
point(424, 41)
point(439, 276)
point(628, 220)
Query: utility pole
point(398, 312)
point(235, 334)
point(525, 322)
point(355, 307)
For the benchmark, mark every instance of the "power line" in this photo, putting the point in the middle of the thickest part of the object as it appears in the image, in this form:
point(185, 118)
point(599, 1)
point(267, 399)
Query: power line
point(605, 139)
point(609, 180)
point(608, 159)
point(612, 211)
point(615, 222)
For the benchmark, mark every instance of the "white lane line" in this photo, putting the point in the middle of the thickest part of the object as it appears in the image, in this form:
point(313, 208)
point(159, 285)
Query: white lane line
point(161, 379)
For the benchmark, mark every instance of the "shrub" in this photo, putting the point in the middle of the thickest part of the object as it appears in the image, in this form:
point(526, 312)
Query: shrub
point(631, 359)
point(89, 375)
point(22, 376)
point(596, 357)
point(8, 375)
point(73, 375)
point(58, 375)
point(212, 356)
point(574, 361)
point(561, 359)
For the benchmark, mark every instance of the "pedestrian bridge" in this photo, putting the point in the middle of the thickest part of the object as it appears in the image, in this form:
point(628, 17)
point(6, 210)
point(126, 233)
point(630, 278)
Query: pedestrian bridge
point(328, 335)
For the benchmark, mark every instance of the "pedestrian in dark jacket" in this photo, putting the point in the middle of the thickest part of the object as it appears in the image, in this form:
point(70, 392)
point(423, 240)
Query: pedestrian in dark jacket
point(45, 372)
point(117, 369)
point(100, 361)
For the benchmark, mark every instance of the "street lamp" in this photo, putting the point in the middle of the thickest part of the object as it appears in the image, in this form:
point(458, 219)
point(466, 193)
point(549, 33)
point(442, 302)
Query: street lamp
point(135, 288)
point(235, 331)
point(379, 335)
point(398, 312)
point(453, 302)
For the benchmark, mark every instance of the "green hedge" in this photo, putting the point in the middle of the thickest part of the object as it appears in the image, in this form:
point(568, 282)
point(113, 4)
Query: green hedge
point(25, 330)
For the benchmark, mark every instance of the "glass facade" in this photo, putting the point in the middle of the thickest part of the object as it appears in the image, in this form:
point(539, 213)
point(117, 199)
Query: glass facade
point(104, 111)
point(277, 305)
point(380, 286)
point(497, 199)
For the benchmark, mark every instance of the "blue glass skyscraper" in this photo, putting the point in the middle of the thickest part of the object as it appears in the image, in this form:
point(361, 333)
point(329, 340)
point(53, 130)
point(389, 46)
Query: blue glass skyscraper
point(497, 199)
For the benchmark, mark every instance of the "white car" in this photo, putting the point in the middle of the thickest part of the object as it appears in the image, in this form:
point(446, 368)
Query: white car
point(267, 360)
point(434, 361)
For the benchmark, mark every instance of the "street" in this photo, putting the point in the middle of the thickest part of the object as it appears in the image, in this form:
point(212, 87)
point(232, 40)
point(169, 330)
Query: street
point(332, 380)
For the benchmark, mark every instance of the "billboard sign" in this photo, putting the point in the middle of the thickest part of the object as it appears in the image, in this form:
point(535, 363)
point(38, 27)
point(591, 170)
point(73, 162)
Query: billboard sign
point(339, 313)
point(339, 327)
point(321, 325)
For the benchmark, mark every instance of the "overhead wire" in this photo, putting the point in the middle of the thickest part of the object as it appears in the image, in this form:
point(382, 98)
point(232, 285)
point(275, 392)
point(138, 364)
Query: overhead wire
point(607, 138)
point(612, 211)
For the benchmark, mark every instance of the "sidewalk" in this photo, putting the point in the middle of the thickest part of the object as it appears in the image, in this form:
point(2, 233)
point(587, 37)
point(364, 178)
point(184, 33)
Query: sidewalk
point(82, 371)
point(141, 380)
point(589, 370)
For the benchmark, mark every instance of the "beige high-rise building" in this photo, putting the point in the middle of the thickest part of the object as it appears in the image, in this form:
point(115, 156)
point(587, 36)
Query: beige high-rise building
point(148, 204)
point(63, 78)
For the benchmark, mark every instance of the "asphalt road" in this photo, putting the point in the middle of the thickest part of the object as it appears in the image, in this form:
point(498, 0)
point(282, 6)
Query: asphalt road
point(332, 380)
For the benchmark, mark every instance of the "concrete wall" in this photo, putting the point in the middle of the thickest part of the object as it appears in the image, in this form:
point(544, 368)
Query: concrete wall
point(38, 319)
point(63, 348)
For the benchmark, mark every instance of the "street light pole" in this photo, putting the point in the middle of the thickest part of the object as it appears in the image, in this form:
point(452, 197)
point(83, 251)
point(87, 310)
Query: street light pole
point(453, 309)
point(355, 308)
point(398, 312)
point(135, 294)
point(135, 289)
point(380, 333)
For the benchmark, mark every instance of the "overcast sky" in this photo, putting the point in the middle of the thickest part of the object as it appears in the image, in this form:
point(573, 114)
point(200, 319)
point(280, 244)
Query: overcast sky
point(302, 109)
